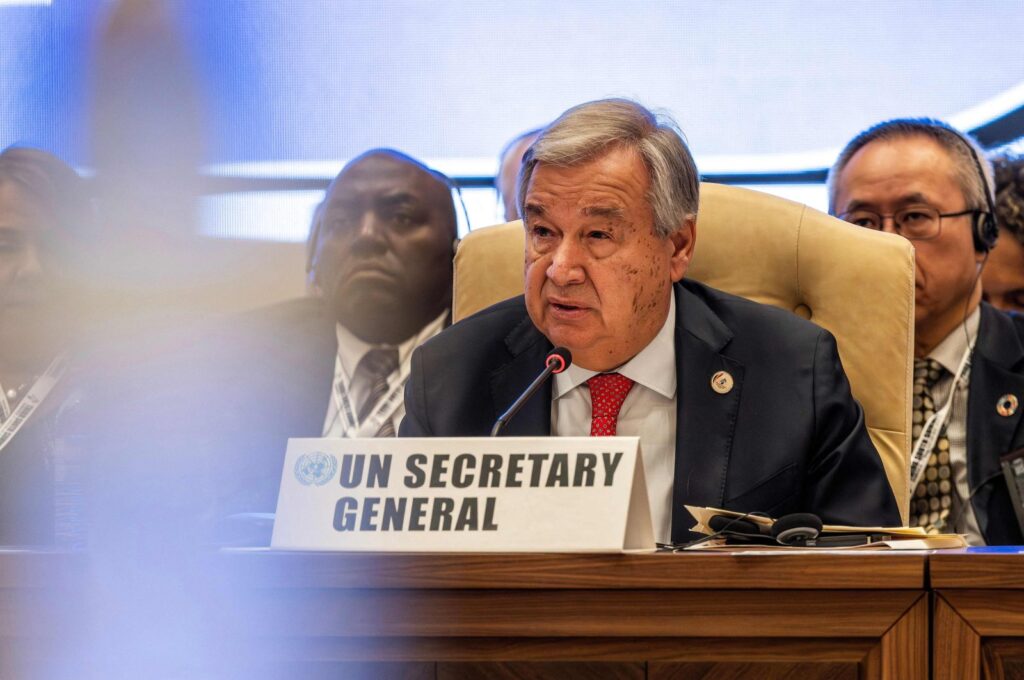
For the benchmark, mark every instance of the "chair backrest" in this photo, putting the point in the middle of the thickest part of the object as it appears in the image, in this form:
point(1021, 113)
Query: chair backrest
point(857, 283)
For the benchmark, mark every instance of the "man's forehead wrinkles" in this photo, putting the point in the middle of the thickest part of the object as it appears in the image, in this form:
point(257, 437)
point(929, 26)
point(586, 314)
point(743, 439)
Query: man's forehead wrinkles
point(606, 211)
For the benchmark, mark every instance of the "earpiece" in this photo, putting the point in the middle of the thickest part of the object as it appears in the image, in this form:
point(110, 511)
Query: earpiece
point(985, 229)
point(797, 528)
point(465, 213)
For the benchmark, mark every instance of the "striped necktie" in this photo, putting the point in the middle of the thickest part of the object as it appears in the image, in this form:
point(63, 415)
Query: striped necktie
point(371, 382)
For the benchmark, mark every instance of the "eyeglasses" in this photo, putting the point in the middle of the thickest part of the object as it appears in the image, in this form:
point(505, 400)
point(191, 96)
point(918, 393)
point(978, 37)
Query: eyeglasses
point(917, 223)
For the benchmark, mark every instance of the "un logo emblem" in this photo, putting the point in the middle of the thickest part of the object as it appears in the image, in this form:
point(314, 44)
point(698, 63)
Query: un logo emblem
point(315, 469)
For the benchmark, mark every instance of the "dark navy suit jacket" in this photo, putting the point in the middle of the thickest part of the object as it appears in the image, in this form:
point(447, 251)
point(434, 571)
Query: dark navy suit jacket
point(997, 369)
point(788, 437)
point(269, 377)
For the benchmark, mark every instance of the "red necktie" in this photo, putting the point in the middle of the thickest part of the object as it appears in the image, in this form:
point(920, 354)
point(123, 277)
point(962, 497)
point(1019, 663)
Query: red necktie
point(607, 392)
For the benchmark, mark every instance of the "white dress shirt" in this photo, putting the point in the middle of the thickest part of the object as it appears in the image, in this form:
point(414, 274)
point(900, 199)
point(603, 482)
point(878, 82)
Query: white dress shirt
point(649, 412)
point(350, 351)
point(949, 353)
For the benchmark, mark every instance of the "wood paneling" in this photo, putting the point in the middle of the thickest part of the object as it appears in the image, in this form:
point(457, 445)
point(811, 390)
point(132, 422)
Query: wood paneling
point(962, 569)
point(956, 647)
point(412, 617)
point(989, 612)
point(753, 671)
point(550, 670)
point(333, 670)
point(504, 613)
point(905, 645)
point(846, 650)
point(978, 618)
point(1003, 658)
point(263, 568)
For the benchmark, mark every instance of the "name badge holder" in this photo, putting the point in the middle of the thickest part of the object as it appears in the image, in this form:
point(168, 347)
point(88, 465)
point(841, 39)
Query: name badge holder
point(40, 389)
point(382, 411)
point(932, 427)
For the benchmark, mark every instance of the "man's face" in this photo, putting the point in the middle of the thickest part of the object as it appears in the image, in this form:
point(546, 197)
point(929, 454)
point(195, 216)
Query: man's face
point(384, 257)
point(29, 320)
point(598, 279)
point(885, 176)
point(1002, 281)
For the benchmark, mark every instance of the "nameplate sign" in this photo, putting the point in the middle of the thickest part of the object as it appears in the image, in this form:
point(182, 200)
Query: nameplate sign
point(519, 494)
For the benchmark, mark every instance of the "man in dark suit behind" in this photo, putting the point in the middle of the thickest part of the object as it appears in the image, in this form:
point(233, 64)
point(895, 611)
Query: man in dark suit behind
point(334, 364)
point(736, 404)
point(926, 181)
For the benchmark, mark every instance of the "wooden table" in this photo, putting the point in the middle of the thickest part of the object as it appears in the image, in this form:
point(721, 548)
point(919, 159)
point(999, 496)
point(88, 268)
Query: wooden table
point(978, 617)
point(656, 616)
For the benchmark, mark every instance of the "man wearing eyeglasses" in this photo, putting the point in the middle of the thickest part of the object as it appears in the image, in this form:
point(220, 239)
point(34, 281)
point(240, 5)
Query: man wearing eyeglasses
point(927, 182)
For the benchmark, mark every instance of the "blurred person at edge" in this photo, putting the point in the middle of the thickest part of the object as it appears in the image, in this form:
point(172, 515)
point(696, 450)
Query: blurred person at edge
point(509, 162)
point(44, 208)
point(1002, 281)
point(334, 364)
point(928, 182)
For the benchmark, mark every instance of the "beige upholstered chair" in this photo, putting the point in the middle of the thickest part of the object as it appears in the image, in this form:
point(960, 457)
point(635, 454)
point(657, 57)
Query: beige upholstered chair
point(857, 283)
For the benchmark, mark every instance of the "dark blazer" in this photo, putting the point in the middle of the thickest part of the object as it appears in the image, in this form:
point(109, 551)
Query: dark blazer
point(997, 369)
point(265, 376)
point(787, 438)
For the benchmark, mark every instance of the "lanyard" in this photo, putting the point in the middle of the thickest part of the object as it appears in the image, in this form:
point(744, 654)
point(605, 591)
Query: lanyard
point(933, 426)
point(31, 401)
point(384, 410)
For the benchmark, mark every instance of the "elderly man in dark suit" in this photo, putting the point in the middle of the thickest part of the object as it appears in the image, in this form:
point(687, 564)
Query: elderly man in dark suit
point(736, 404)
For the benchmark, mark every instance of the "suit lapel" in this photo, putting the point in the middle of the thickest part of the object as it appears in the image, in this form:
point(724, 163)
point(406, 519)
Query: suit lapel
point(528, 348)
point(705, 419)
point(990, 435)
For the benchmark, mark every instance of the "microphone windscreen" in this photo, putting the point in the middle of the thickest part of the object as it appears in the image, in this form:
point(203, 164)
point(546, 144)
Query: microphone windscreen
point(733, 524)
point(561, 357)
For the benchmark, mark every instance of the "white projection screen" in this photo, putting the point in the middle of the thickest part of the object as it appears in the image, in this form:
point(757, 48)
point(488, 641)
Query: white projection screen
point(765, 92)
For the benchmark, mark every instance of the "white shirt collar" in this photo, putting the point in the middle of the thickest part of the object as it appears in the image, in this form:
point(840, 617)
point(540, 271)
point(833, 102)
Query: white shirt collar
point(951, 350)
point(654, 366)
point(351, 349)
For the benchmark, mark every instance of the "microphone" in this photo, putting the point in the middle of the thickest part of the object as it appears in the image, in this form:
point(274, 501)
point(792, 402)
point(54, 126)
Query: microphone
point(557, 361)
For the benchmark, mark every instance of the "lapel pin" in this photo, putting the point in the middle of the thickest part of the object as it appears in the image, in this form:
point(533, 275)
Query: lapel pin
point(721, 382)
point(1007, 405)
